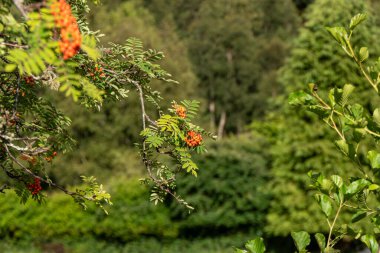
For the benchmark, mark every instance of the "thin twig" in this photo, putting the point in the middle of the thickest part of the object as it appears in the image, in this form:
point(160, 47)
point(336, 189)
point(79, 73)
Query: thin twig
point(336, 128)
point(142, 104)
point(326, 106)
point(9, 138)
point(359, 63)
point(13, 45)
point(332, 226)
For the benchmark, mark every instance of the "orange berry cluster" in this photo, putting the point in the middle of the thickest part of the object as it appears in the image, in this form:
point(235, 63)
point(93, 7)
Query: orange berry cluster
point(193, 139)
point(35, 187)
point(98, 71)
point(70, 35)
point(180, 111)
point(21, 92)
point(49, 158)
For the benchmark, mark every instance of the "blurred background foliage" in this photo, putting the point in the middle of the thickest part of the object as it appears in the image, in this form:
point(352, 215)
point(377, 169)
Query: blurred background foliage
point(240, 58)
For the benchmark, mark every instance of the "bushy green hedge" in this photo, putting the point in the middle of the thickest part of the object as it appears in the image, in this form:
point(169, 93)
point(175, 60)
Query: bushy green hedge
point(230, 192)
point(143, 245)
point(229, 195)
point(133, 225)
point(130, 217)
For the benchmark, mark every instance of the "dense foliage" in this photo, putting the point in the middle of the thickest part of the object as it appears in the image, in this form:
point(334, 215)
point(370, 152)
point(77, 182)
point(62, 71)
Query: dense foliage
point(353, 126)
point(51, 45)
point(230, 55)
point(133, 225)
point(224, 207)
point(300, 143)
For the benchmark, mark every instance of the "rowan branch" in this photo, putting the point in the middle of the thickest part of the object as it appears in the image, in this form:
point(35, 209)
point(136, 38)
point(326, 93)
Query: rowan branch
point(13, 45)
point(28, 171)
point(159, 183)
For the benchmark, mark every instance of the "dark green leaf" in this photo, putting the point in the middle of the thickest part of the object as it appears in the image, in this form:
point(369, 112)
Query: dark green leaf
point(358, 216)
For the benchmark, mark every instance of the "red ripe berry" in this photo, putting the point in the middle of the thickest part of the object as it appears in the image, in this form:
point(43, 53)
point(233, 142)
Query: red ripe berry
point(35, 187)
point(193, 139)
point(29, 80)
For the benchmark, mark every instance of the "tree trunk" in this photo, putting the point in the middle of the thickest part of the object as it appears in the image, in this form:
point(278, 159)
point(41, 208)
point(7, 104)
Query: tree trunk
point(211, 108)
point(222, 123)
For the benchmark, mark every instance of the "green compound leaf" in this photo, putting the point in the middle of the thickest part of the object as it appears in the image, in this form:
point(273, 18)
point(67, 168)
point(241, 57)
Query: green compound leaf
point(89, 46)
